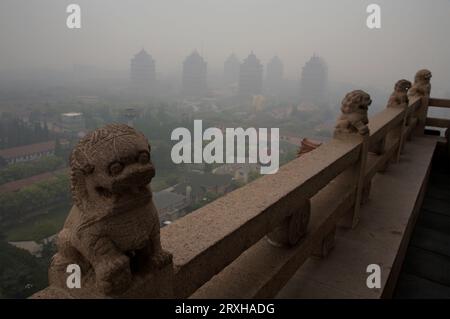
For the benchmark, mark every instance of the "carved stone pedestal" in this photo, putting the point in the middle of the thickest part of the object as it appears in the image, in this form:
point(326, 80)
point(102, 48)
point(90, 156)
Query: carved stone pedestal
point(156, 283)
point(293, 228)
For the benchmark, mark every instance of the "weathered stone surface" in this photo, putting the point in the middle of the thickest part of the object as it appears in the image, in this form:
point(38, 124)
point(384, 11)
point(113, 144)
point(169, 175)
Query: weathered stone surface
point(384, 227)
point(157, 283)
point(307, 145)
point(208, 239)
point(377, 239)
point(354, 113)
point(112, 231)
point(220, 241)
point(399, 98)
point(293, 228)
point(422, 86)
point(324, 248)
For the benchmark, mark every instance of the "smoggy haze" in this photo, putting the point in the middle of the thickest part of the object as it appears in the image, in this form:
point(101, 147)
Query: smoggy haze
point(414, 34)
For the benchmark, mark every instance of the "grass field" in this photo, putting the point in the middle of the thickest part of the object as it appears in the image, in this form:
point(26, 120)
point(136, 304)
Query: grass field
point(39, 227)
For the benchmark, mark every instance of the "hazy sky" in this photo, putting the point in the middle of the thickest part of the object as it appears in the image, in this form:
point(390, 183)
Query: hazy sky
point(414, 34)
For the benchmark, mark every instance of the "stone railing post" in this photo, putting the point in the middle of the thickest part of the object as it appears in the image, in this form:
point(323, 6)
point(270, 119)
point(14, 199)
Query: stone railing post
point(296, 225)
point(362, 190)
point(352, 124)
point(422, 116)
point(110, 243)
point(379, 149)
point(399, 99)
point(421, 89)
point(402, 138)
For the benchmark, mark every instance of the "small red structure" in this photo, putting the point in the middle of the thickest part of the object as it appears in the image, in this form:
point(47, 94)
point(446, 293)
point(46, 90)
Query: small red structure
point(307, 145)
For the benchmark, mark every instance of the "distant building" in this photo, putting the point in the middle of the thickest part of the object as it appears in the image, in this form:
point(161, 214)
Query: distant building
point(143, 71)
point(231, 70)
point(33, 247)
point(28, 152)
point(250, 76)
point(196, 185)
point(72, 122)
point(274, 75)
point(239, 171)
point(169, 204)
point(195, 167)
point(258, 103)
point(129, 115)
point(194, 76)
point(86, 99)
point(282, 112)
point(17, 185)
point(314, 82)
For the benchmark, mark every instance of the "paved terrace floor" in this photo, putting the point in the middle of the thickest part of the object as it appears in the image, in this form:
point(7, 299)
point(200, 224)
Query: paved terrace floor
point(381, 238)
point(426, 270)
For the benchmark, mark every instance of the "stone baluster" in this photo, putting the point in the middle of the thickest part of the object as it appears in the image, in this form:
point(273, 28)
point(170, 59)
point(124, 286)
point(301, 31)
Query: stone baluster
point(326, 245)
point(399, 99)
point(421, 89)
point(295, 226)
point(352, 124)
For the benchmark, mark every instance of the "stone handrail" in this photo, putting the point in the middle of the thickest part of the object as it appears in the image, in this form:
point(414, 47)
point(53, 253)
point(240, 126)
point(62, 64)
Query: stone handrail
point(207, 240)
point(438, 122)
point(334, 179)
point(439, 102)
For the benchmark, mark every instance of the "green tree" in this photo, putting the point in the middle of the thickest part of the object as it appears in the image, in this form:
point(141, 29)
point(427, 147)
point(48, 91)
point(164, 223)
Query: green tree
point(26, 169)
point(21, 274)
point(17, 205)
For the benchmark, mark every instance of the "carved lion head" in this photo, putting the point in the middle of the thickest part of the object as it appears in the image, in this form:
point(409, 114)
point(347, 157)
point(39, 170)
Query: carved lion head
point(111, 168)
point(402, 86)
point(356, 102)
point(423, 76)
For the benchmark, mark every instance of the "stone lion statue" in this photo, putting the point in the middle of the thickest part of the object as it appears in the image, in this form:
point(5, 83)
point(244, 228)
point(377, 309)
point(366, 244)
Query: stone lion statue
point(112, 231)
point(399, 97)
point(422, 86)
point(354, 113)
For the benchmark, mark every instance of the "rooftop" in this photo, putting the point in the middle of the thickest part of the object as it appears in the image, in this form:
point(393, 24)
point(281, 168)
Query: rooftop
point(29, 149)
point(199, 182)
point(164, 199)
point(72, 114)
point(21, 183)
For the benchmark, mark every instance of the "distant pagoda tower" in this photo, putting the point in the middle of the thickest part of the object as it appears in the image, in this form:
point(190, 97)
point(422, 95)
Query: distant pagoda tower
point(274, 75)
point(143, 71)
point(194, 75)
point(250, 76)
point(231, 69)
point(314, 82)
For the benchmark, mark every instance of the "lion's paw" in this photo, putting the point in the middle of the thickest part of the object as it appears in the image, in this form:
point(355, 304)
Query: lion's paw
point(113, 274)
point(161, 259)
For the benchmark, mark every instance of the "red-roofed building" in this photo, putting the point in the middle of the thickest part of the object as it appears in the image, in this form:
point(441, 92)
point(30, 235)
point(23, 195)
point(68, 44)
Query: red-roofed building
point(27, 153)
point(17, 185)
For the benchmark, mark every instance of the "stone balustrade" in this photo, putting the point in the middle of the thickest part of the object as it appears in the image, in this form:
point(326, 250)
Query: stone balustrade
point(220, 249)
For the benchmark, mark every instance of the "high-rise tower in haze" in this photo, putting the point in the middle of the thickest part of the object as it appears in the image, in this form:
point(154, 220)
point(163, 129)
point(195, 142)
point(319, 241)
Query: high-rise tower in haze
point(274, 75)
point(194, 75)
point(250, 76)
point(231, 69)
point(314, 82)
point(142, 71)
